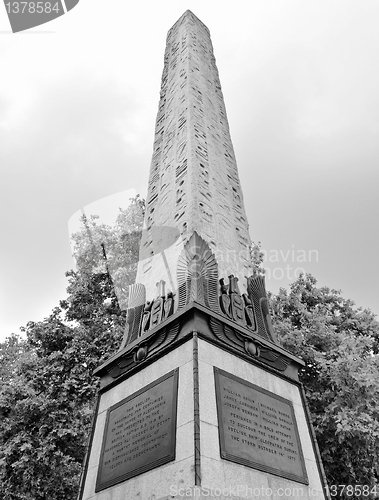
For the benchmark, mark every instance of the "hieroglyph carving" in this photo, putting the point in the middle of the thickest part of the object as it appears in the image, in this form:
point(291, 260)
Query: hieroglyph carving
point(241, 342)
point(146, 316)
point(256, 290)
point(137, 298)
point(249, 310)
point(235, 306)
point(193, 182)
point(159, 309)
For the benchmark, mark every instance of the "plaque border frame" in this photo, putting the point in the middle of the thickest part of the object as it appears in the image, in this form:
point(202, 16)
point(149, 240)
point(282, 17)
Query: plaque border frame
point(251, 463)
point(151, 465)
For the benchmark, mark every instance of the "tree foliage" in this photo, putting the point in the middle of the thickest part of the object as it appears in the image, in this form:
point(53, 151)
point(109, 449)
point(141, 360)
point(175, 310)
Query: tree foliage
point(339, 345)
point(101, 248)
point(257, 256)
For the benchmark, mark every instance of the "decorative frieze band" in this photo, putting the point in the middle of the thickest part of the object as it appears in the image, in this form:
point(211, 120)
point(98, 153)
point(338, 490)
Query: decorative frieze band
point(198, 281)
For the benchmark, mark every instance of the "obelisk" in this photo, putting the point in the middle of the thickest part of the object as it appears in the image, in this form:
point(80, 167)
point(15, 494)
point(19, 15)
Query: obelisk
point(201, 400)
point(193, 182)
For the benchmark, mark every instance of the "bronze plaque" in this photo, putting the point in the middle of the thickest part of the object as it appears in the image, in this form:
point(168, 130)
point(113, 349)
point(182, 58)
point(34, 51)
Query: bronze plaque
point(140, 432)
point(257, 428)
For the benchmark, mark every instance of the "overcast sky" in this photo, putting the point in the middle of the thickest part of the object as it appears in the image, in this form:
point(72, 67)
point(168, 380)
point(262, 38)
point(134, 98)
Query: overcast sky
point(78, 101)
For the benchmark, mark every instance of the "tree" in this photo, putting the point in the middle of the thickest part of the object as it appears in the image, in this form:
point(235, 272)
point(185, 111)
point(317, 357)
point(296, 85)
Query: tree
point(100, 248)
point(48, 391)
point(257, 257)
point(339, 345)
point(40, 435)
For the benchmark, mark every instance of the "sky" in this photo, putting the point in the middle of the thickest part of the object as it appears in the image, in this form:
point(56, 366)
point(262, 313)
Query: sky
point(78, 101)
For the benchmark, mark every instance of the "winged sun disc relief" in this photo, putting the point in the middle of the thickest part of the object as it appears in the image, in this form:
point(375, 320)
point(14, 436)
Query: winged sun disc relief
point(24, 15)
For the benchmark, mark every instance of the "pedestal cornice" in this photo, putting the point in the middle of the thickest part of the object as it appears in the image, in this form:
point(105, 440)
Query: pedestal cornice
point(210, 326)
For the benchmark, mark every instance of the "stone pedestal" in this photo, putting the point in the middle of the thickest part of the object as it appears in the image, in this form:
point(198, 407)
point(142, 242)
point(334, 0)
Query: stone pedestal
point(225, 412)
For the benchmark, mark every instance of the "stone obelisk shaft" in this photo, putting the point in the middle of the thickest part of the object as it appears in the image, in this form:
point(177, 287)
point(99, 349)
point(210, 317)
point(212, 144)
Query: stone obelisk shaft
point(174, 401)
point(193, 183)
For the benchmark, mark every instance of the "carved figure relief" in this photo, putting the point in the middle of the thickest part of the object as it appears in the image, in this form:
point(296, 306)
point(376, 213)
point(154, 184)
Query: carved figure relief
point(237, 307)
point(249, 313)
point(234, 306)
point(169, 305)
point(137, 298)
point(225, 299)
point(157, 308)
point(249, 310)
point(257, 294)
point(146, 316)
point(197, 274)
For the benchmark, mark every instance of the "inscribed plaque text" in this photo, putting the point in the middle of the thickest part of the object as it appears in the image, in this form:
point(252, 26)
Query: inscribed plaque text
point(139, 432)
point(257, 428)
